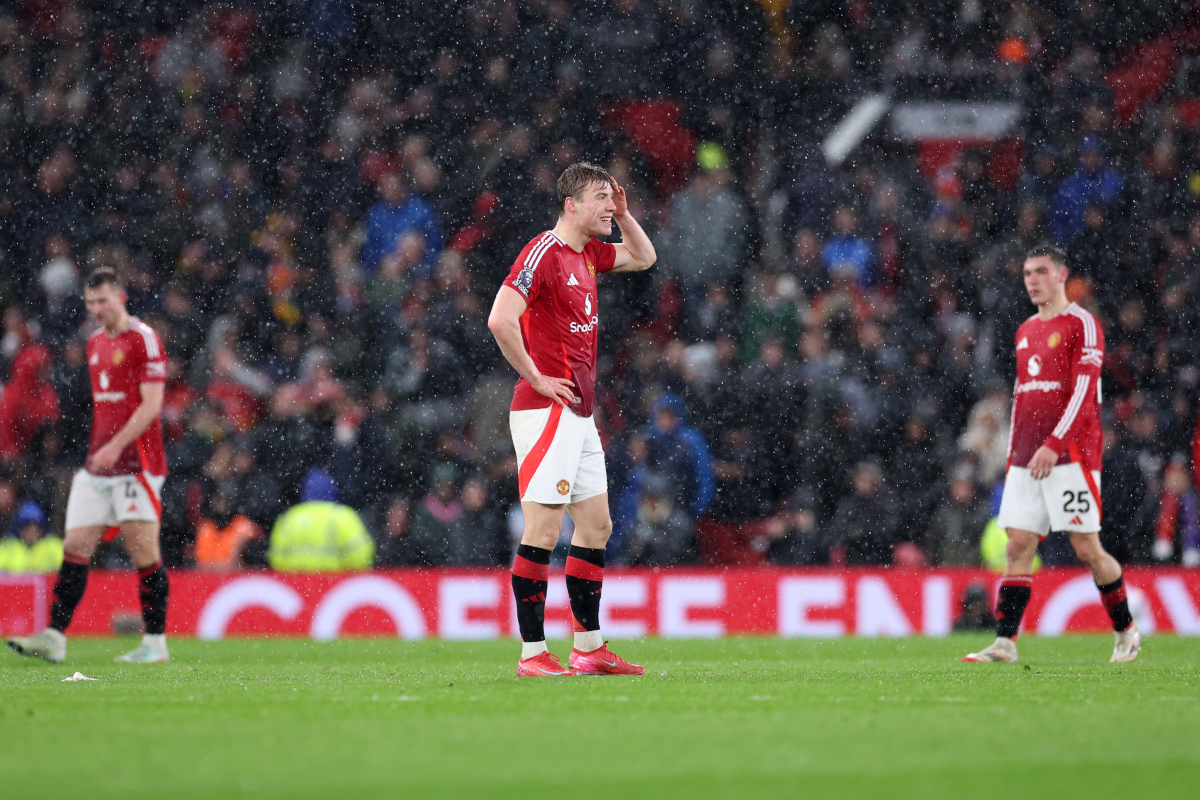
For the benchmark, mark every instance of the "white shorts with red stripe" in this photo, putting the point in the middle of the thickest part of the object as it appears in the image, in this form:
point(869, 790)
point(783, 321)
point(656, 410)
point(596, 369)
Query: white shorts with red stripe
point(560, 455)
point(100, 500)
point(1062, 501)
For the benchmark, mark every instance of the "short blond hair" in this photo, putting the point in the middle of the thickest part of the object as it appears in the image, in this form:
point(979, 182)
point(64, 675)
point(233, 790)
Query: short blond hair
point(576, 178)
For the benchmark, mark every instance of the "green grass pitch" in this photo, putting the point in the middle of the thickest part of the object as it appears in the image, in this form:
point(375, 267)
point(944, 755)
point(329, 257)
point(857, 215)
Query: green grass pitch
point(750, 717)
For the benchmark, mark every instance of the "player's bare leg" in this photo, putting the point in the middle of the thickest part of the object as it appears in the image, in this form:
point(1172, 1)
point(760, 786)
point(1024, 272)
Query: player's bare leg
point(141, 542)
point(530, 577)
point(1111, 585)
point(1015, 591)
point(51, 644)
point(585, 577)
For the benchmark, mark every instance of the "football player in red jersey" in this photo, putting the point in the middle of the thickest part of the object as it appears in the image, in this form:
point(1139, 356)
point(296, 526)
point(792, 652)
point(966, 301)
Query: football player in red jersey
point(1054, 449)
point(546, 321)
point(120, 484)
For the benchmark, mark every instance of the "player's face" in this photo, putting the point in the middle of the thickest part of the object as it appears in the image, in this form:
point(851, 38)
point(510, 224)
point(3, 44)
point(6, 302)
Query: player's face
point(1043, 279)
point(594, 209)
point(105, 303)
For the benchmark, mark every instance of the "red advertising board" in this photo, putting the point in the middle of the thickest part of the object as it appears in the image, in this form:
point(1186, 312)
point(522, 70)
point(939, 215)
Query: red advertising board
point(477, 604)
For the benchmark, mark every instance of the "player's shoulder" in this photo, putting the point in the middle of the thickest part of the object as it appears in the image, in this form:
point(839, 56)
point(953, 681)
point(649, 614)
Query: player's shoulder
point(147, 336)
point(536, 249)
point(1023, 328)
point(1080, 319)
point(541, 249)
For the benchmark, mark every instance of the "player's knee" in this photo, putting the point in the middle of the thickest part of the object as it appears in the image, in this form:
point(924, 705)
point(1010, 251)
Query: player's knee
point(1088, 549)
point(79, 545)
point(1021, 548)
point(602, 534)
point(605, 528)
point(541, 534)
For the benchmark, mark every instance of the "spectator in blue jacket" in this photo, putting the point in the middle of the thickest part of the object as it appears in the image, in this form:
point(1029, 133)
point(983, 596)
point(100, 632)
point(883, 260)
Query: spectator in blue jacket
point(1093, 182)
point(848, 251)
point(678, 450)
point(398, 213)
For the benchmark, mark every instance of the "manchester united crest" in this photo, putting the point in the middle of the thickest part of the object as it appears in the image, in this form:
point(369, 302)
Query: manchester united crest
point(563, 487)
point(591, 269)
point(118, 357)
point(1055, 340)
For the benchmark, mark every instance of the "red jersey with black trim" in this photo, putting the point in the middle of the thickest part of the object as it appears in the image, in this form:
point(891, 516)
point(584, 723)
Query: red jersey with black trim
point(561, 320)
point(1057, 397)
point(118, 366)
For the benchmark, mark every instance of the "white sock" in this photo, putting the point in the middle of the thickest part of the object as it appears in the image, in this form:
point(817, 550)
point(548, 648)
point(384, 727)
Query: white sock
point(531, 649)
point(587, 641)
point(158, 641)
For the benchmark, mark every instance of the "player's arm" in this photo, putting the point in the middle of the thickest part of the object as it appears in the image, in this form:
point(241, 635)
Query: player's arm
point(635, 252)
point(143, 415)
point(1085, 373)
point(505, 324)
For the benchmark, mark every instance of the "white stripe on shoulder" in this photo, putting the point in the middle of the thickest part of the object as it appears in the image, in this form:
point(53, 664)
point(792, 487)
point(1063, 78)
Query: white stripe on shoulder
point(148, 335)
point(1089, 323)
point(535, 255)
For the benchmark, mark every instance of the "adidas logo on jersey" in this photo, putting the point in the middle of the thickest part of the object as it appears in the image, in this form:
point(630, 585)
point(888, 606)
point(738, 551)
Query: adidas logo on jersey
point(571, 280)
point(1023, 343)
point(1075, 520)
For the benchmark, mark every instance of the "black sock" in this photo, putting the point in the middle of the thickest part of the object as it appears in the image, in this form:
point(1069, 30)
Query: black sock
point(585, 576)
point(1015, 592)
point(1116, 603)
point(530, 576)
point(72, 580)
point(153, 590)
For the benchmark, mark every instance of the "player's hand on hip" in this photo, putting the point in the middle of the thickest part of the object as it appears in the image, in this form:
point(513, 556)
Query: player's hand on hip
point(103, 459)
point(557, 389)
point(1042, 462)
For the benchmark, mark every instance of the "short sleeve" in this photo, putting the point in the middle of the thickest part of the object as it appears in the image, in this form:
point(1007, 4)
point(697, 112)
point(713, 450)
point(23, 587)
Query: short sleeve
point(154, 365)
point(525, 276)
point(604, 255)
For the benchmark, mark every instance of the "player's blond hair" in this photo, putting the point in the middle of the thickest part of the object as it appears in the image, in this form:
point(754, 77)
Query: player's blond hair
point(576, 178)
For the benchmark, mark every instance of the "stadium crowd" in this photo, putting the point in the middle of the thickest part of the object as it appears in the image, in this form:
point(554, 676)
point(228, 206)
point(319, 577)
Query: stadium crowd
point(313, 203)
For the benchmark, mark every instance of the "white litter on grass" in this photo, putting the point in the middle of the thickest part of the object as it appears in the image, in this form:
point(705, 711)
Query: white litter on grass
point(78, 676)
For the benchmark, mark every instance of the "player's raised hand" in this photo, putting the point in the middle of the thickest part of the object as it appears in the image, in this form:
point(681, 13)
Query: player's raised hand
point(1042, 462)
point(557, 389)
point(619, 199)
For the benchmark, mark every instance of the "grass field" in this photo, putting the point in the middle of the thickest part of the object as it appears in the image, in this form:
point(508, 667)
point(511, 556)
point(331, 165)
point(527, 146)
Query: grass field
point(727, 718)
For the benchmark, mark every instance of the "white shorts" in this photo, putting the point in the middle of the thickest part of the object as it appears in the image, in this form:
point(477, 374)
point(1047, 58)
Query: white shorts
point(559, 455)
point(97, 500)
point(1062, 501)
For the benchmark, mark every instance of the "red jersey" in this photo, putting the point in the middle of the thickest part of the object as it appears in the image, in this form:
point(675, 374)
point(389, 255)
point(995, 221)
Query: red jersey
point(1057, 397)
point(118, 366)
point(561, 321)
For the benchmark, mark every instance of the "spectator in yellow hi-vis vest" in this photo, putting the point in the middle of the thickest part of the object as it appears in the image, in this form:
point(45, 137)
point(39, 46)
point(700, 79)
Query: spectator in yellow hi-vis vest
point(993, 548)
point(29, 549)
point(319, 534)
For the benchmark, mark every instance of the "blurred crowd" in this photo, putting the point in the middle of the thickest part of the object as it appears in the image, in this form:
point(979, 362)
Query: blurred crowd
point(314, 203)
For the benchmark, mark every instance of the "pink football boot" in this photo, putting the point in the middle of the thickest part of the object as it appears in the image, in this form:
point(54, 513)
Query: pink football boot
point(543, 665)
point(602, 661)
